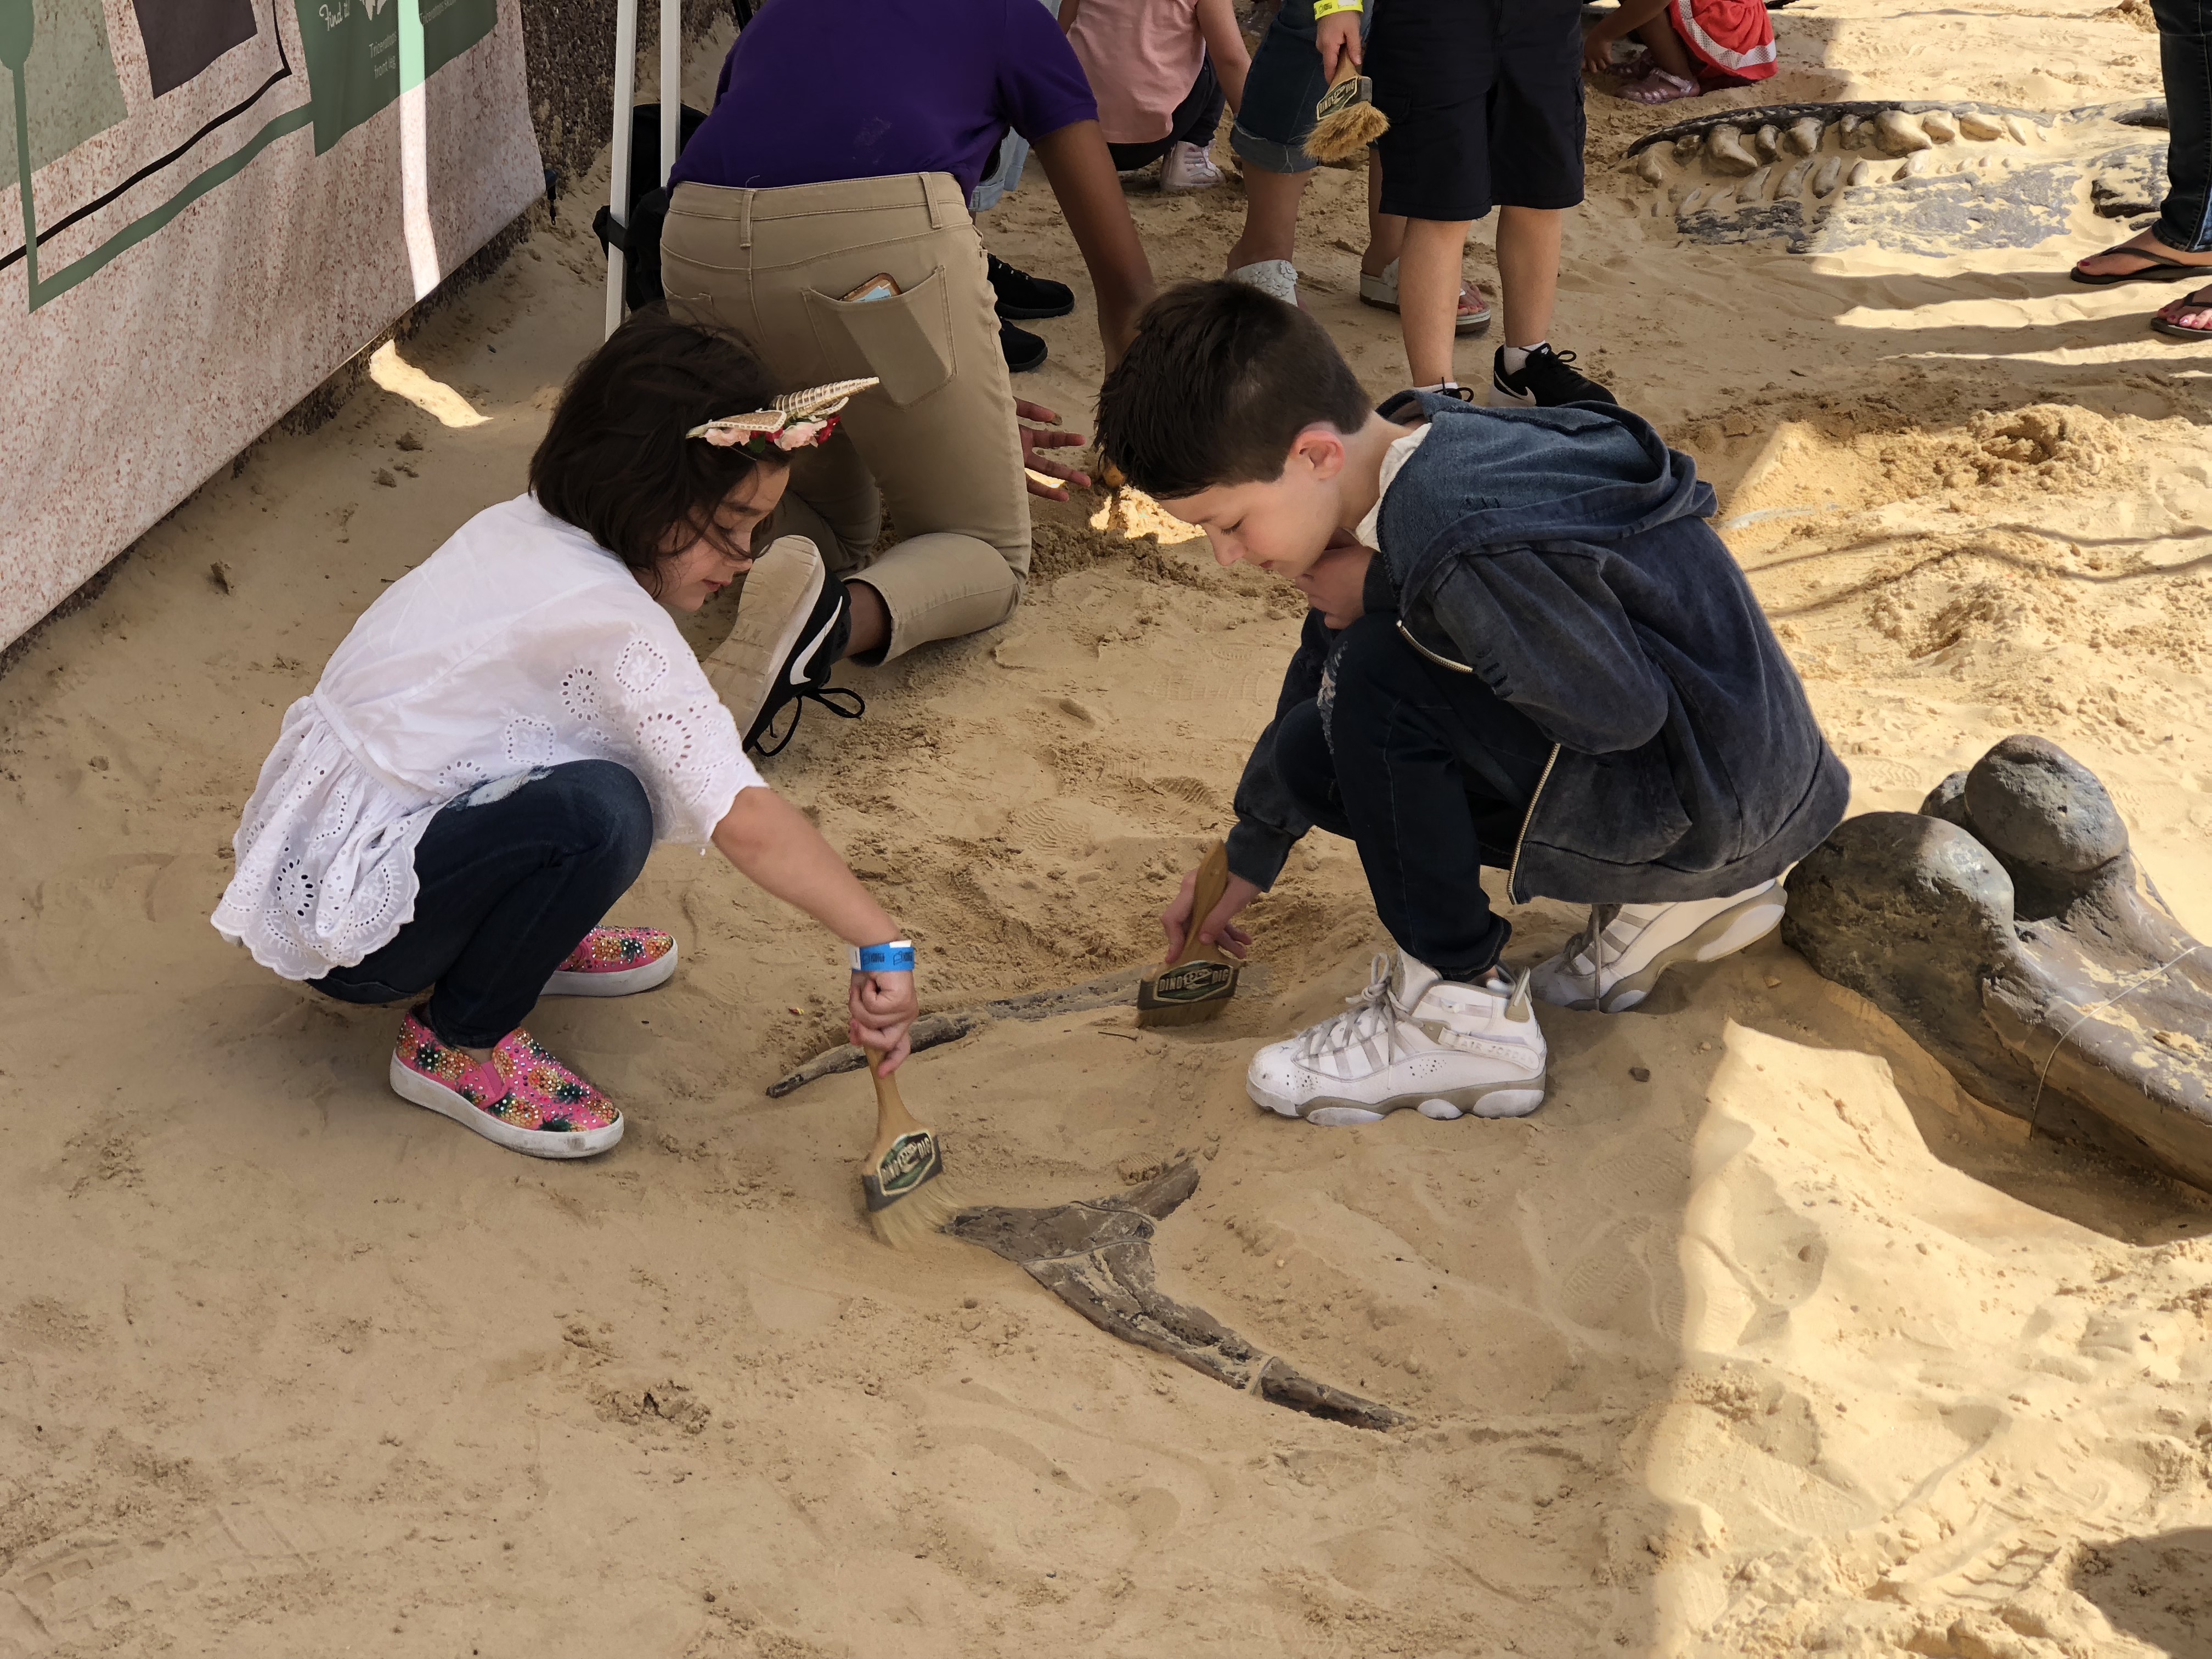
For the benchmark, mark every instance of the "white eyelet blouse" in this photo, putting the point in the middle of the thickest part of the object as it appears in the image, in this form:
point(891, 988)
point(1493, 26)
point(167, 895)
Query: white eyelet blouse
point(520, 643)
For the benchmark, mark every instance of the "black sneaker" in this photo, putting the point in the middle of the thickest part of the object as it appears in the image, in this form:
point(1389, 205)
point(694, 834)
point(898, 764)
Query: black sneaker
point(1546, 380)
point(1024, 350)
point(1026, 297)
point(792, 623)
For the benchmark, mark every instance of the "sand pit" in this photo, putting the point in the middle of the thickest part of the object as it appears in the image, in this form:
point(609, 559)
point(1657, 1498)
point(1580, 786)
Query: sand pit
point(1760, 1338)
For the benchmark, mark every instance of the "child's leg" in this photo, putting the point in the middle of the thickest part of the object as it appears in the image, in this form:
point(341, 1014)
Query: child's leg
point(1431, 274)
point(1198, 117)
point(1434, 774)
point(1280, 91)
point(510, 877)
point(1665, 45)
point(1270, 216)
point(1529, 241)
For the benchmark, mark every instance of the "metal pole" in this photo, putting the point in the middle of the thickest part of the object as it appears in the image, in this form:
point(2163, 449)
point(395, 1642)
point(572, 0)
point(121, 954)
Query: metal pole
point(618, 184)
point(672, 83)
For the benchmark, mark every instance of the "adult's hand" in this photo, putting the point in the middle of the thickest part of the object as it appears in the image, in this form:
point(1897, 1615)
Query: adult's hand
point(1336, 36)
point(1033, 440)
point(1219, 927)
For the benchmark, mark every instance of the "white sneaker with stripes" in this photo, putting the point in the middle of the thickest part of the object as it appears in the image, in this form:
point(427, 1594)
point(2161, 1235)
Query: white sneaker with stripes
point(1414, 1039)
point(1622, 950)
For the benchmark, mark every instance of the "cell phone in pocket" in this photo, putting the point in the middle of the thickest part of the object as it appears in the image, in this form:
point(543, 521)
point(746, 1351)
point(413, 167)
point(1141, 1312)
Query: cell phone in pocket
point(878, 287)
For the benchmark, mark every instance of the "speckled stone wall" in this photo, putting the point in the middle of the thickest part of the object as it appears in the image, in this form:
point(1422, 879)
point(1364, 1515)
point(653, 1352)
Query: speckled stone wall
point(567, 65)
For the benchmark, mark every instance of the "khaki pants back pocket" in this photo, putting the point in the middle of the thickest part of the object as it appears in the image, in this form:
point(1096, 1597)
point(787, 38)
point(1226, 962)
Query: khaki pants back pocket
point(905, 339)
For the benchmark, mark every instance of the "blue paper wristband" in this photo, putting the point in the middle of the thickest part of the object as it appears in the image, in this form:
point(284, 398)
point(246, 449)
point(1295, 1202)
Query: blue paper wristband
point(896, 957)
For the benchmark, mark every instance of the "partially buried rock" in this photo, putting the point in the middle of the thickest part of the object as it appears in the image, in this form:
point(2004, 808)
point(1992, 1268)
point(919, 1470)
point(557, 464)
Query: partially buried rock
point(1939, 125)
point(1829, 175)
point(1804, 135)
point(1975, 124)
point(2008, 929)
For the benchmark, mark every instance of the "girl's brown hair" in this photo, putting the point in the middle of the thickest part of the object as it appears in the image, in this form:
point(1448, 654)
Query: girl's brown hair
point(615, 462)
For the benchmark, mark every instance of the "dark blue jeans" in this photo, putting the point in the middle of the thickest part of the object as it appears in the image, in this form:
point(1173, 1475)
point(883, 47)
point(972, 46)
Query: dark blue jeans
point(511, 877)
point(2185, 56)
point(1430, 772)
point(1280, 90)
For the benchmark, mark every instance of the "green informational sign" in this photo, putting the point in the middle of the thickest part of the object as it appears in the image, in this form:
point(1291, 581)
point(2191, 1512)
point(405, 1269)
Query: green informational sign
point(362, 54)
point(69, 75)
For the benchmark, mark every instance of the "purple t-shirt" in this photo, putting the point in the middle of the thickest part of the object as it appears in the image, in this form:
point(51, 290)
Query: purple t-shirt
point(818, 90)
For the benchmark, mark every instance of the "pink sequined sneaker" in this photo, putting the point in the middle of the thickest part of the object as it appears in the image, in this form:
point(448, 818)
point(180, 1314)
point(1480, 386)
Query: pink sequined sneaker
point(522, 1097)
point(613, 962)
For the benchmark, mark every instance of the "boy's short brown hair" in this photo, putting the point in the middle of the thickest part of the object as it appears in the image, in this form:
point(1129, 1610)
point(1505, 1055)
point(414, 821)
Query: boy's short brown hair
point(1218, 383)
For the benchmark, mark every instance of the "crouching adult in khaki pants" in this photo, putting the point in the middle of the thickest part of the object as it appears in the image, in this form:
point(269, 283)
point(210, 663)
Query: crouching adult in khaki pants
point(821, 212)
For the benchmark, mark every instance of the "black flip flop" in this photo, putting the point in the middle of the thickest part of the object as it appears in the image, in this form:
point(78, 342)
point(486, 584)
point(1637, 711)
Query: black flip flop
point(2175, 330)
point(2158, 271)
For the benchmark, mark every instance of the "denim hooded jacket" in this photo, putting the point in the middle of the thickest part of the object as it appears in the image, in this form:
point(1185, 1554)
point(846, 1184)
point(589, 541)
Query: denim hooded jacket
point(1562, 555)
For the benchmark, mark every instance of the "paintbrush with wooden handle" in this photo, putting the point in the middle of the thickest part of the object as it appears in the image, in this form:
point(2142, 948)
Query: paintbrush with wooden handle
point(903, 1174)
point(1203, 977)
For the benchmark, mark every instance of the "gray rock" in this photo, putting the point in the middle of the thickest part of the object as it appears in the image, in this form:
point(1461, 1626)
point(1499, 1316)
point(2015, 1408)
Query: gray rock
point(2061, 991)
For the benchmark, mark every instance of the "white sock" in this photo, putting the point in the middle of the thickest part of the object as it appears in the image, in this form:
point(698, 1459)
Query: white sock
point(1516, 357)
point(1441, 385)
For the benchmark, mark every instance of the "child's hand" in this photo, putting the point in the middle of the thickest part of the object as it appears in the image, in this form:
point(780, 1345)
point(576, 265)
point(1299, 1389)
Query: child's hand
point(1597, 51)
point(883, 1007)
point(1337, 35)
point(1336, 583)
point(1220, 928)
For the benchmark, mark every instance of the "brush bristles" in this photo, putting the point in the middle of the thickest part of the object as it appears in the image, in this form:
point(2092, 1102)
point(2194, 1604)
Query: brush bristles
point(907, 1222)
point(1342, 135)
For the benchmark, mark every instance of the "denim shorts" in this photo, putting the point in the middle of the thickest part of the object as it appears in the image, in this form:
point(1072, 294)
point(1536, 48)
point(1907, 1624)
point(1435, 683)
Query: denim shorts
point(1284, 83)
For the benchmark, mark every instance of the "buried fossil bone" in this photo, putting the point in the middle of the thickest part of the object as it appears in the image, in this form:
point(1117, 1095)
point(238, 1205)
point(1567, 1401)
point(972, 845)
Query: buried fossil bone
point(1897, 132)
point(1096, 1256)
point(2007, 926)
point(1727, 153)
point(1857, 120)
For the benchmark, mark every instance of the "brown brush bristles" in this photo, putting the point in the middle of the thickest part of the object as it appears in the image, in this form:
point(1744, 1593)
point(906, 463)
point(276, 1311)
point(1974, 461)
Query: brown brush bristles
point(922, 1212)
point(1345, 134)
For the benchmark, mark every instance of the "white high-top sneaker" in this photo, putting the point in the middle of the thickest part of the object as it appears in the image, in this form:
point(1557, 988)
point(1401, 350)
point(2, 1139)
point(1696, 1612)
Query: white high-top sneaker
point(1622, 950)
point(1411, 1039)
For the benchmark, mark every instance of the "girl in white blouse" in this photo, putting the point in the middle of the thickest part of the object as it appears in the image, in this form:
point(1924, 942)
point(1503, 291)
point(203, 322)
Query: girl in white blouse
point(507, 732)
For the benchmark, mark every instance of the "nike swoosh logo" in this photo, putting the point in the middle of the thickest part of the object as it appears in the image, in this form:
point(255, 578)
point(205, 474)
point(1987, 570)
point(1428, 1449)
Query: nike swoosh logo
point(806, 655)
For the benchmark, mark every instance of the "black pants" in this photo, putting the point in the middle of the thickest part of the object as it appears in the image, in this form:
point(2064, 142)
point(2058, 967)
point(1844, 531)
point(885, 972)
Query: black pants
point(2184, 52)
point(512, 876)
point(1193, 122)
point(1431, 773)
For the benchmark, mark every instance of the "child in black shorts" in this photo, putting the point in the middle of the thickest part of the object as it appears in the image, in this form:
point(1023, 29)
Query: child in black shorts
point(1528, 649)
point(1484, 99)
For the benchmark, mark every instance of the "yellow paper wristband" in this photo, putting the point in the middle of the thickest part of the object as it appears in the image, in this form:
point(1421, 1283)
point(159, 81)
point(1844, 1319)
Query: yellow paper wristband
point(1330, 8)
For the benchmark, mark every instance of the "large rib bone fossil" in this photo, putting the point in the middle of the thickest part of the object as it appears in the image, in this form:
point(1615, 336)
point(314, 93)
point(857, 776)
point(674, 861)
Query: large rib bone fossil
point(2008, 929)
point(1096, 1256)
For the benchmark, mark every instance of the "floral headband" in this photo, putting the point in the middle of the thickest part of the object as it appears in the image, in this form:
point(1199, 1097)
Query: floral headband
point(797, 420)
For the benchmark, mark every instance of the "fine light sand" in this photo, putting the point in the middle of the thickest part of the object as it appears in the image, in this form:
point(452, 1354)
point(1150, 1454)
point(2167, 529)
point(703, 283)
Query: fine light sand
point(1788, 1347)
